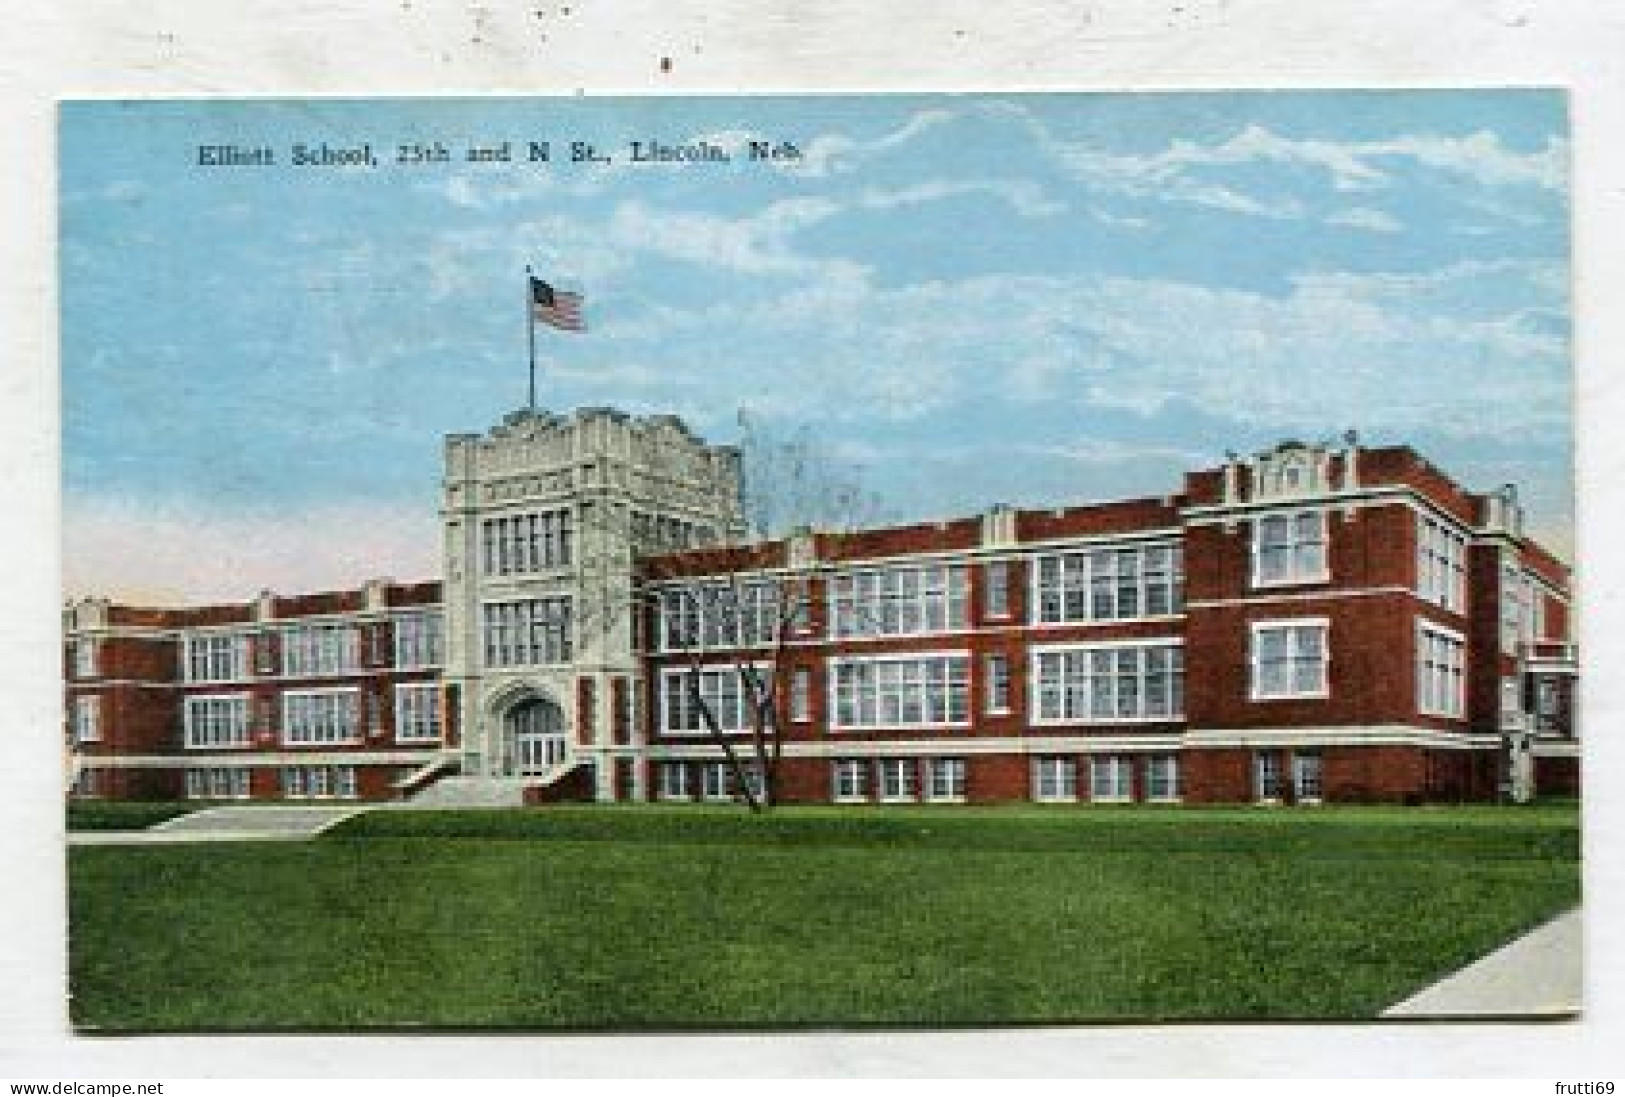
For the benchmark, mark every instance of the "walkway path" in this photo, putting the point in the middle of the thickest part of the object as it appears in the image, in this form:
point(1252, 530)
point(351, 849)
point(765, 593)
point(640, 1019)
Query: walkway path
point(227, 824)
point(1538, 975)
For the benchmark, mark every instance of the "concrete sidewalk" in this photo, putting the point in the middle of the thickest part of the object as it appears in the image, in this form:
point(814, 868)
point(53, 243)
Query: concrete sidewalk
point(225, 824)
point(1537, 975)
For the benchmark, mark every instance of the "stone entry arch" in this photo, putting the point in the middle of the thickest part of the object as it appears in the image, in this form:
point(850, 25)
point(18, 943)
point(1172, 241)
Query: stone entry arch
point(533, 736)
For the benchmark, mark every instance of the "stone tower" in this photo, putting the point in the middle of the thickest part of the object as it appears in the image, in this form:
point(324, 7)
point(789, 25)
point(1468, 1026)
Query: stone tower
point(542, 518)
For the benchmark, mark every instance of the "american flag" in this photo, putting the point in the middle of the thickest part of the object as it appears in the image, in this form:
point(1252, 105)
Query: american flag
point(556, 308)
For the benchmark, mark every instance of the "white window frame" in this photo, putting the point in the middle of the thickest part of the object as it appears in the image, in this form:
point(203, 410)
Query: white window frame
point(1441, 563)
point(1297, 573)
point(86, 657)
point(293, 699)
point(1268, 760)
point(87, 719)
point(417, 704)
point(716, 782)
point(1054, 779)
point(1067, 688)
point(849, 781)
point(996, 590)
point(1111, 779)
point(1173, 778)
point(419, 640)
point(1293, 626)
point(527, 632)
point(801, 688)
point(217, 783)
point(996, 666)
point(908, 679)
point(897, 780)
point(923, 599)
point(1304, 764)
point(945, 780)
point(1092, 584)
point(731, 705)
point(1441, 671)
point(215, 657)
point(320, 649)
point(674, 781)
point(209, 712)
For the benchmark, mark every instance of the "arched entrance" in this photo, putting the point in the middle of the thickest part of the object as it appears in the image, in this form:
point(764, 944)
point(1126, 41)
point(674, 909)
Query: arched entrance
point(532, 737)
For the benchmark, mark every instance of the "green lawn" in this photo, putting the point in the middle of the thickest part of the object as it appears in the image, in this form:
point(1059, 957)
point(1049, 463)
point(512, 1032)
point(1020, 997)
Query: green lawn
point(123, 814)
point(682, 917)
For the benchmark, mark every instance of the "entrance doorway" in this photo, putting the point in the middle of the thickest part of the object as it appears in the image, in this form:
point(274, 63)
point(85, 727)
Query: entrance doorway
point(532, 737)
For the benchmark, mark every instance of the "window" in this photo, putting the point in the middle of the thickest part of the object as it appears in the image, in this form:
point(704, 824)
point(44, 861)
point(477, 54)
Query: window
point(897, 780)
point(801, 695)
point(417, 640)
point(850, 778)
point(1289, 548)
point(996, 577)
point(1108, 683)
point(998, 684)
point(1110, 778)
point(417, 712)
point(724, 694)
point(217, 783)
point(84, 658)
point(216, 658)
point(717, 781)
point(898, 601)
point(1511, 699)
point(711, 616)
point(1162, 777)
point(673, 781)
point(1289, 659)
point(945, 780)
point(932, 691)
point(315, 650)
point(1306, 776)
point(530, 632)
point(1055, 779)
point(308, 782)
point(1267, 775)
point(87, 782)
point(1441, 684)
point(521, 544)
point(325, 716)
point(87, 719)
point(213, 722)
point(1110, 584)
point(1441, 564)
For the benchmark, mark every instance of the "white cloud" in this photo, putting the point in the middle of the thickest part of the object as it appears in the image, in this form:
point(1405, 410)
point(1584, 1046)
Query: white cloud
point(190, 553)
point(1027, 199)
point(1364, 217)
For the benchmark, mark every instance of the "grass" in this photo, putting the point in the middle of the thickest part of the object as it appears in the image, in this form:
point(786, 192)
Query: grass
point(123, 814)
point(685, 917)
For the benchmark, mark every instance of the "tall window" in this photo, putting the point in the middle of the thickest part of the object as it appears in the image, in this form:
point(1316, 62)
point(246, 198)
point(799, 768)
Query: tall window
point(216, 657)
point(213, 722)
point(324, 716)
point(1289, 548)
point(1441, 683)
point(717, 781)
point(899, 601)
point(1289, 659)
point(898, 779)
point(712, 616)
point(217, 783)
point(1106, 683)
point(1110, 778)
point(521, 544)
point(87, 719)
point(1055, 779)
point(1162, 777)
point(1306, 770)
point(1441, 563)
point(317, 650)
point(801, 695)
point(996, 580)
point(998, 684)
point(1267, 782)
point(84, 658)
point(724, 694)
point(931, 691)
point(1110, 584)
point(530, 632)
point(417, 640)
point(674, 781)
point(945, 780)
point(417, 713)
point(850, 779)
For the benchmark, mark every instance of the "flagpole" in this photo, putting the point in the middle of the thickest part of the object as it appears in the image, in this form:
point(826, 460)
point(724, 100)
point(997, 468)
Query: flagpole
point(530, 317)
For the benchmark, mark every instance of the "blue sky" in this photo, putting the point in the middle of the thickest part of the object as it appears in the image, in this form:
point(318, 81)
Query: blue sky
point(1036, 299)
